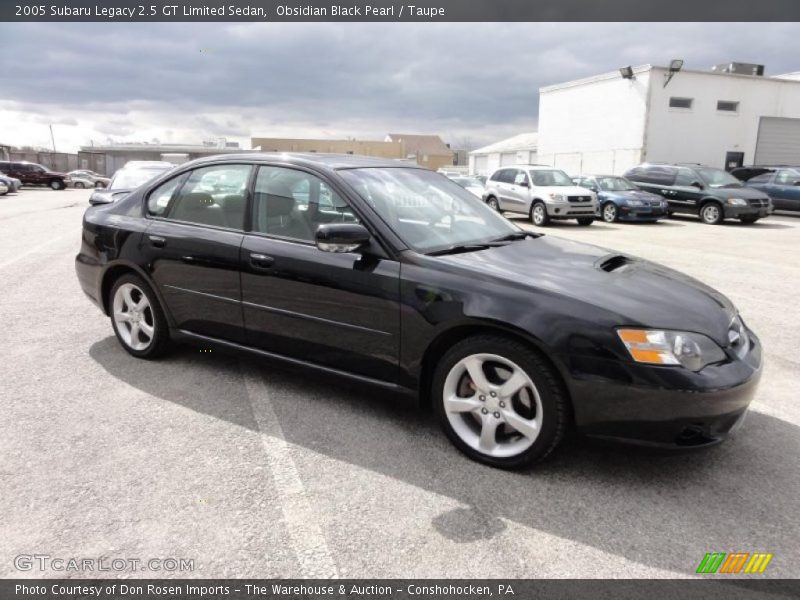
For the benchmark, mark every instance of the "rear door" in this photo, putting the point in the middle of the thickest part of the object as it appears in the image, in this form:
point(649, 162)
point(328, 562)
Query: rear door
point(193, 244)
point(340, 310)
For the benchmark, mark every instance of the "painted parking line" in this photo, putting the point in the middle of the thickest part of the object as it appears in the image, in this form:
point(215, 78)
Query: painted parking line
point(302, 524)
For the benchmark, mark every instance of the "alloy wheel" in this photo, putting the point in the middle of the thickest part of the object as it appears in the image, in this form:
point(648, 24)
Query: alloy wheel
point(133, 317)
point(493, 204)
point(609, 213)
point(538, 214)
point(55, 185)
point(492, 405)
point(711, 214)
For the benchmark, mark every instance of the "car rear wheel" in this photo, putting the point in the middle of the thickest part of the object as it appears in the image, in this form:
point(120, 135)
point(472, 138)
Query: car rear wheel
point(55, 184)
point(79, 185)
point(499, 401)
point(585, 221)
point(137, 318)
point(539, 214)
point(491, 202)
point(610, 212)
point(711, 213)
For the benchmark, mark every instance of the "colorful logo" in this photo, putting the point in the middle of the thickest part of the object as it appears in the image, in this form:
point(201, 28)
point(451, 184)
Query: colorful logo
point(735, 562)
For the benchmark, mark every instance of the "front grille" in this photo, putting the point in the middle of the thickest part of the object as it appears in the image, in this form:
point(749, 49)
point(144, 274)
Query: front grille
point(579, 198)
point(758, 202)
point(589, 213)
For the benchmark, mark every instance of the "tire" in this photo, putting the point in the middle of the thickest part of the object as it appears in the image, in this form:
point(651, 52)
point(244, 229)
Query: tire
point(585, 221)
point(711, 213)
point(538, 214)
point(126, 298)
point(609, 212)
point(481, 429)
point(492, 203)
point(749, 219)
point(98, 185)
point(56, 184)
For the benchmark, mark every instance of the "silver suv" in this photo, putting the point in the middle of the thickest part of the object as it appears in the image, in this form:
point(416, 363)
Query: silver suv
point(543, 193)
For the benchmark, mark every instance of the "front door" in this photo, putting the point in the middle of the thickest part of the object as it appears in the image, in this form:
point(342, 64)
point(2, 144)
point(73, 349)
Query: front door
point(193, 244)
point(337, 310)
point(785, 190)
point(685, 195)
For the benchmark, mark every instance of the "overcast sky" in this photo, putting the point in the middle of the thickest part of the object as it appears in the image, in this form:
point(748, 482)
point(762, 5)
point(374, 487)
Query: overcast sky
point(475, 82)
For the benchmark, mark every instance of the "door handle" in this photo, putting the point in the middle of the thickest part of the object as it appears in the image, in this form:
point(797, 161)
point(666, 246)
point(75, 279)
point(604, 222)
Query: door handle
point(261, 261)
point(157, 241)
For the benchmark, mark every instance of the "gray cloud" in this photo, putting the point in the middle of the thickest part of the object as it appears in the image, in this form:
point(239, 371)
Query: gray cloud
point(473, 79)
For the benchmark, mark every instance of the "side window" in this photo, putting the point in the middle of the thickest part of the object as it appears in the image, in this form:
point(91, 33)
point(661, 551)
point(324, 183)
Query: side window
point(786, 177)
point(159, 198)
point(292, 203)
point(658, 175)
point(496, 175)
point(520, 178)
point(763, 178)
point(213, 196)
point(686, 178)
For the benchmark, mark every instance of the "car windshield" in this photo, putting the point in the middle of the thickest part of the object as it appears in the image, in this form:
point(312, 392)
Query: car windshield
point(466, 182)
point(615, 184)
point(128, 179)
point(718, 177)
point(428, 211)
point(551, 178)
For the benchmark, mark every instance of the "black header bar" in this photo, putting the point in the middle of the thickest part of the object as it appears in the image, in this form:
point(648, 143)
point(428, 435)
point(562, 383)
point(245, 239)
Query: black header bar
point(398, 11)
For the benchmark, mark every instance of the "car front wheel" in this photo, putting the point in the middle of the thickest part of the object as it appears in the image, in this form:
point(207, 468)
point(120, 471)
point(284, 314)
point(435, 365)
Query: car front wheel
point(711, 213)
point(610, 212)
point(539, 214)
point(137, 318)
point(491, 202)
point(499, 401)
point(57, 185)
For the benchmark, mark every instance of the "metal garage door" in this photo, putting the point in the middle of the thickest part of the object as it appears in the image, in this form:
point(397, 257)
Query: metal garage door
point(778, 141)
point(508, 158)
point(482, 165)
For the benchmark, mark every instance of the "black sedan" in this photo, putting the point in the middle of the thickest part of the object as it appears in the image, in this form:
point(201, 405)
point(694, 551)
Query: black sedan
point(396, 276)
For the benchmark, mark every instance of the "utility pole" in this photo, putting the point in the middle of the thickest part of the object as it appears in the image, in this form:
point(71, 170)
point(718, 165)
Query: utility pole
point(53, 139)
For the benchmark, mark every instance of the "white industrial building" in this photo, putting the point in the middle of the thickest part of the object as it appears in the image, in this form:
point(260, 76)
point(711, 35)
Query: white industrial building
point(610, 122)
point(520, 149)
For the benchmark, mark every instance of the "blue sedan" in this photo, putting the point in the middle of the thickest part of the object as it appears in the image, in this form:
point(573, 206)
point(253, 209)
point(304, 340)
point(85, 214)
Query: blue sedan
point(782, 185)
point(621, 200)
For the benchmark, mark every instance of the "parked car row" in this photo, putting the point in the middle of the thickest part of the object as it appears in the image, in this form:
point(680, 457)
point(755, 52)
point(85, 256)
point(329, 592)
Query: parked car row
point(647, 192)
point(134, 174)
point(34, 174)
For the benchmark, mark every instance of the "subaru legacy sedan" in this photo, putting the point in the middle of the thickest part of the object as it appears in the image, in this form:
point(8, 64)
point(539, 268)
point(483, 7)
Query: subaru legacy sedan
point(396, 276)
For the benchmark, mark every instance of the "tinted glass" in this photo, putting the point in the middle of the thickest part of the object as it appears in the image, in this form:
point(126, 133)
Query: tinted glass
point(130, 179)
point(657, 174)
point(680, 102)
point(213, 196)
point(615, 184)
point(159, 198)
point(520, 177)
point(291, 203)
point(787, 177)
point(427, 211)
point(763, 178)
point(686, 178)
point(718, 177)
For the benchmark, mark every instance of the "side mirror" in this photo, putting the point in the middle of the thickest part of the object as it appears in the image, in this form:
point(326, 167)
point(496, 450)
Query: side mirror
point(101, 198)
point(524, 183)
point(796, 182)
point(698, 185)
point(341, 237)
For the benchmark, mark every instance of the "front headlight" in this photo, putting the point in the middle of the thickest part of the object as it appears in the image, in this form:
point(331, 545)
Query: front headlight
point(736, 202)
point(557, 197)
point(656, 347)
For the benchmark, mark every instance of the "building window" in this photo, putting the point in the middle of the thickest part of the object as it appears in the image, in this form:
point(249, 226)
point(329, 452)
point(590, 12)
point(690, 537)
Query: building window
point(727, 106)
point(680, 102)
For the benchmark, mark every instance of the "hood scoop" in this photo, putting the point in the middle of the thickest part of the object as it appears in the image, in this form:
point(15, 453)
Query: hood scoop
point(614, 263)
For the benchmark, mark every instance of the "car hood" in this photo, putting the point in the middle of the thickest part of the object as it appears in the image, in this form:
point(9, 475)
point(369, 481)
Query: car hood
point(566, 190)
point(747, 193)
point(630, 195)
point(635, 291)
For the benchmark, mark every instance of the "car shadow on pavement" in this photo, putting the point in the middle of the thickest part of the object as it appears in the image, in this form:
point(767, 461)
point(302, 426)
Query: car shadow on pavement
point(663, 510)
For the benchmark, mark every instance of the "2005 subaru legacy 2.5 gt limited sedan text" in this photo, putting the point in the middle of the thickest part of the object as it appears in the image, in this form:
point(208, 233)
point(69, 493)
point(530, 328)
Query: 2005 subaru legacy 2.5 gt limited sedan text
point(396, 276)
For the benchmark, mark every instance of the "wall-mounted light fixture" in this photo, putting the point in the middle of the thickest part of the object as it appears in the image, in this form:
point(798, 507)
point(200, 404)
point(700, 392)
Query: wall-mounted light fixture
point(675, 65)
point(627, 72)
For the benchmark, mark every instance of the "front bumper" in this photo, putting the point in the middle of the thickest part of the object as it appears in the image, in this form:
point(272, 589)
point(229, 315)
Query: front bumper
point(641, 213)
point(572, 210)
point(667, 407)
point(735, 212)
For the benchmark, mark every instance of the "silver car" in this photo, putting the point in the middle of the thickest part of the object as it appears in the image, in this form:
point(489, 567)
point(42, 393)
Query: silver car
point(542, 193)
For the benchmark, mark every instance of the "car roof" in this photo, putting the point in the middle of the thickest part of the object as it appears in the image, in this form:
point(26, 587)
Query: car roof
point(311, 159)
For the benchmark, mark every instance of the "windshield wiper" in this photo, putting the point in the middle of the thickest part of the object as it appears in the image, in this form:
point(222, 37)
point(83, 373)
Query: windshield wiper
point(459, 248)
point(518, 235)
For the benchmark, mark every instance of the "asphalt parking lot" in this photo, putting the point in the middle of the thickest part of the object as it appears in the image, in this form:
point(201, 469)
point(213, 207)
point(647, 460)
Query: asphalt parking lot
point(255, 471)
